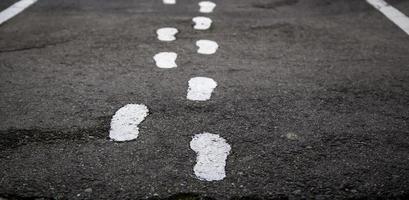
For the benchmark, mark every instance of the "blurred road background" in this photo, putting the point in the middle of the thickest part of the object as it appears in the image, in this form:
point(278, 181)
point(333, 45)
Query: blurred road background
point(312, 96)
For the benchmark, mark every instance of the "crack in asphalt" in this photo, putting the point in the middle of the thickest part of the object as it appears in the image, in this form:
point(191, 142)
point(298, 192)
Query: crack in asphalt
point(27, 48)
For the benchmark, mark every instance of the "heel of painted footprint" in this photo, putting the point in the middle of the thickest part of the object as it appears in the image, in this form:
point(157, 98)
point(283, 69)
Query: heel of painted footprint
point(212, 151)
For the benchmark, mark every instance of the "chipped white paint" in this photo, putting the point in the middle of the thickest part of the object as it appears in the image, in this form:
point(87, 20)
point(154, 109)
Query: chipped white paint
point(166, 60)
point(167, 34)
point(200, 88)
point(206, 6)
point(202, 23)
point(15, 9)
point(124, 124)
point(206, 46)
point(392, 13)
point(169, 2)
point(212, 151)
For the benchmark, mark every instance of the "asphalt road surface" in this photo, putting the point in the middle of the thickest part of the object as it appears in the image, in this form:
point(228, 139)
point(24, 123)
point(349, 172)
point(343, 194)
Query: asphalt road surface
point(312, 96)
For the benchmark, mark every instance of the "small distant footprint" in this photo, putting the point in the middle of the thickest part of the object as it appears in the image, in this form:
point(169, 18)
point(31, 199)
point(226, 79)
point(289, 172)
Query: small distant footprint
point(166, 60)
point(212, 151)
point(206, 6)
point(124, 124)
point(169, 1)
point(167, 34)
point(202, 23)
point(200, 88)
point(207, 46)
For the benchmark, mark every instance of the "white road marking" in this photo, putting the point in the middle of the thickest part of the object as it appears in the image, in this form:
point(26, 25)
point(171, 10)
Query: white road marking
point(169, 1)
point(200, 88)
point(392, 13)
point(206, 6)
point(166, 60)
point(124, 124)
point(202, 23)
point(167, 34)
point(212, 151)
point(15, 9)
point(206, 47)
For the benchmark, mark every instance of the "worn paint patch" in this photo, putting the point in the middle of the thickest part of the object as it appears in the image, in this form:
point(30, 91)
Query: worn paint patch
point(166, 60)
point(212, 151)
point(201, 23)
point(200, 88)
point(206, 6)
point(206, 46)
point(124, 124)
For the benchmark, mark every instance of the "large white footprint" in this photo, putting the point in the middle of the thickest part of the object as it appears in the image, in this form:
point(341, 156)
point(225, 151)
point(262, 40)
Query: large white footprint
point(166, 60)
point(202, 23)
point(169, 1)
point(167, 34)
point(124, 124)
point(200, 88)
point(206, 6)
point(212, 151)
point(206, 47)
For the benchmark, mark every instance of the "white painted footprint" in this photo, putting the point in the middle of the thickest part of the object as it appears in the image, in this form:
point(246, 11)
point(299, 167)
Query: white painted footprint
point(169, 2)
point(206, 6)
point(167, 34)
point(200, 88)
point(166, 60)
point(124, 124)
point(206, 47)
point(212, 151)
point(202, 23)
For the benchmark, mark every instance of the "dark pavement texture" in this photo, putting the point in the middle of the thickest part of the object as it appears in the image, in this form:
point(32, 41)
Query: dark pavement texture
point(333, 72)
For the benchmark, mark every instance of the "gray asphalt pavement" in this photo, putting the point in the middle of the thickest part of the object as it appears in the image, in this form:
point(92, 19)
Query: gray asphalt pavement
point(333, 74)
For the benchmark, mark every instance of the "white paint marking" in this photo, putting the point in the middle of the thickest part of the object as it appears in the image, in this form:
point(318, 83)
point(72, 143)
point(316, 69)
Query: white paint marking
point(15, 9)
point(169, 2)
point(206, 6)
point(124, 124)
point(392, 13)
point(206, 47)
point(166, 60)
point(200, 88)
point(167, 34)
point(212, 151)
point(202, 23)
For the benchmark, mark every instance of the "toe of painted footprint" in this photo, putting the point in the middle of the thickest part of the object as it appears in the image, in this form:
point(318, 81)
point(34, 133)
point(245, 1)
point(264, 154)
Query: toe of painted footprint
point(166, 60)
point(201, 23)
point(167, 34)
point(206, 6)
point(212, 151)
point(124, 124)
point(169, 2)
point(206, 47)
